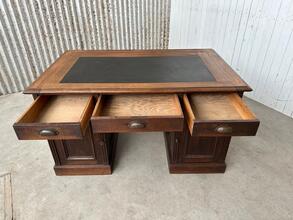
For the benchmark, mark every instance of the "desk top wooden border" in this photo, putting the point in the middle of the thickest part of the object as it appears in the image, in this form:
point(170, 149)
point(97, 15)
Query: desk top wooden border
point(49, 82)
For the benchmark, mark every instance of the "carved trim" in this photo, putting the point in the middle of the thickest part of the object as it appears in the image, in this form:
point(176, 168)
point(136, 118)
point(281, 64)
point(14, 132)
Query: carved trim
point(54, 152)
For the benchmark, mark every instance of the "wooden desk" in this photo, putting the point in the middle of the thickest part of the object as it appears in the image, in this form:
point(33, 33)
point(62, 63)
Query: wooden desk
point(86, 98)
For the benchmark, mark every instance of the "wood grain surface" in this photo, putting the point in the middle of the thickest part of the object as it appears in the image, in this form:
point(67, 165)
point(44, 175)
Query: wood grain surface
point(63, 108)
point(216, 107)
point(154, 112)
point(141, 105)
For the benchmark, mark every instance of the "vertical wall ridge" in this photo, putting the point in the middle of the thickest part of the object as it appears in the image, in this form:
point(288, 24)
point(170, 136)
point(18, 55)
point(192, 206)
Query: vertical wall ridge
point(34, 33)
point(253, 36)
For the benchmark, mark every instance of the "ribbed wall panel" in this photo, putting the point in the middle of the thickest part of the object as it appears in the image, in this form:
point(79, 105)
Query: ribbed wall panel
point(33, 33)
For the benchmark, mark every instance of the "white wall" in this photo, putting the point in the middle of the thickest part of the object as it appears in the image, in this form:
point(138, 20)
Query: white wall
point(253, 36)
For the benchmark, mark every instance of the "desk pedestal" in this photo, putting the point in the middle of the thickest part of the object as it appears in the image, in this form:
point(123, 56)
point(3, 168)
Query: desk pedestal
point(94, 155)
point(193, 154)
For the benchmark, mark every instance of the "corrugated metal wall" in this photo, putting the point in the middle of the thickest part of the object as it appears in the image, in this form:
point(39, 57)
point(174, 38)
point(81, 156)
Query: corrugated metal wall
point(254, 36)
point(33, 33)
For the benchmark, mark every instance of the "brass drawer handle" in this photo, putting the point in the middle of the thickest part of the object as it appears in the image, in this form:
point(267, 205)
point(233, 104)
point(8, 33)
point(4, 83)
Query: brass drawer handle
point(136, 124)
point(223, 130)
point(48, 132)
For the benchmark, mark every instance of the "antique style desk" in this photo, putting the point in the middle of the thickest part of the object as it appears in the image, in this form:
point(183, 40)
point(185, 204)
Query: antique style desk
point(86, 98)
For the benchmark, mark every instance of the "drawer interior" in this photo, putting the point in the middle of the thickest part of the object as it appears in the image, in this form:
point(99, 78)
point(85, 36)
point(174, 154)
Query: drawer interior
point(57, 109)
point(55, 117)
point(212, 107)
point(126, 105)
point(219, 114)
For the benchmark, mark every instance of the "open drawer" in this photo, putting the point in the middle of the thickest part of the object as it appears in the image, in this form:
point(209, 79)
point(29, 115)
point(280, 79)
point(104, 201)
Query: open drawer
point(219, 114)
point(55, 117)
point(137, 112)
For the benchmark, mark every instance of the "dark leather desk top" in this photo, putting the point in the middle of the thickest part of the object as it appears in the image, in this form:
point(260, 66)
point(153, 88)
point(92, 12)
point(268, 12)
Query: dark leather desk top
point(138, 70)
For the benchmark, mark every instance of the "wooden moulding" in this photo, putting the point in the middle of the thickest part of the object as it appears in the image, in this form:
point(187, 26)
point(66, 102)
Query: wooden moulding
point(192, 168)
point(65, 170)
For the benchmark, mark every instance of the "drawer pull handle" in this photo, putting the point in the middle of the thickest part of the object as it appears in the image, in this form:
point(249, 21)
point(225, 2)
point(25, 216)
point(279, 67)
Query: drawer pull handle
point(48, 132)
point(224, 130)
point(136, 124)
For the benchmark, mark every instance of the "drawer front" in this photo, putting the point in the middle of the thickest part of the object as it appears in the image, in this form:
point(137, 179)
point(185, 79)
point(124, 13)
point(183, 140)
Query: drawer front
point(48, 131)
point(137, 113)
point(55, 118)
point(219, 115)
point(218, 128)
point(136, 124)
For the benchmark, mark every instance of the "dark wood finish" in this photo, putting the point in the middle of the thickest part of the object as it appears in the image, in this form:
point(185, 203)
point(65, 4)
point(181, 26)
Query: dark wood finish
point(192, 168)
point(209, 114)
point(153, 112)
point(239, 128)
point(74, 152)
point(94, 154)
point(69, 170)
point(63, 131)
point(64, 123)
point(188, 154)
point(226, 78)
point(121, 125)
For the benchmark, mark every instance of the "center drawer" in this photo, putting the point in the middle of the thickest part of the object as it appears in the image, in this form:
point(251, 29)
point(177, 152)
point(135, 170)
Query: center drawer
point(219, 114)
point(137, 113)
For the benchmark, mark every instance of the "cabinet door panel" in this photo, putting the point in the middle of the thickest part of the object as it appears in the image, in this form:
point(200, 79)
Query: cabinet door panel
point(184, 148)
point(77, 151)
point(200, 149)
point(205, 149)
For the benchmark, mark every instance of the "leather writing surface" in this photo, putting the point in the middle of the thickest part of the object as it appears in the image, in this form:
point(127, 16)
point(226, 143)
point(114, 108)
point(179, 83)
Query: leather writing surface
point(138, 70)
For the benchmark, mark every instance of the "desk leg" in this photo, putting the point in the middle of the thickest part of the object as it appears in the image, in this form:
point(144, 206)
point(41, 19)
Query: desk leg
point(192, 154)
point(93, 155)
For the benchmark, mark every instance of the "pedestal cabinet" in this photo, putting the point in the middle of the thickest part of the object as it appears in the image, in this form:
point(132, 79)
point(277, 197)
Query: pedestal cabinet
point(187, 154)
point(94, 154)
